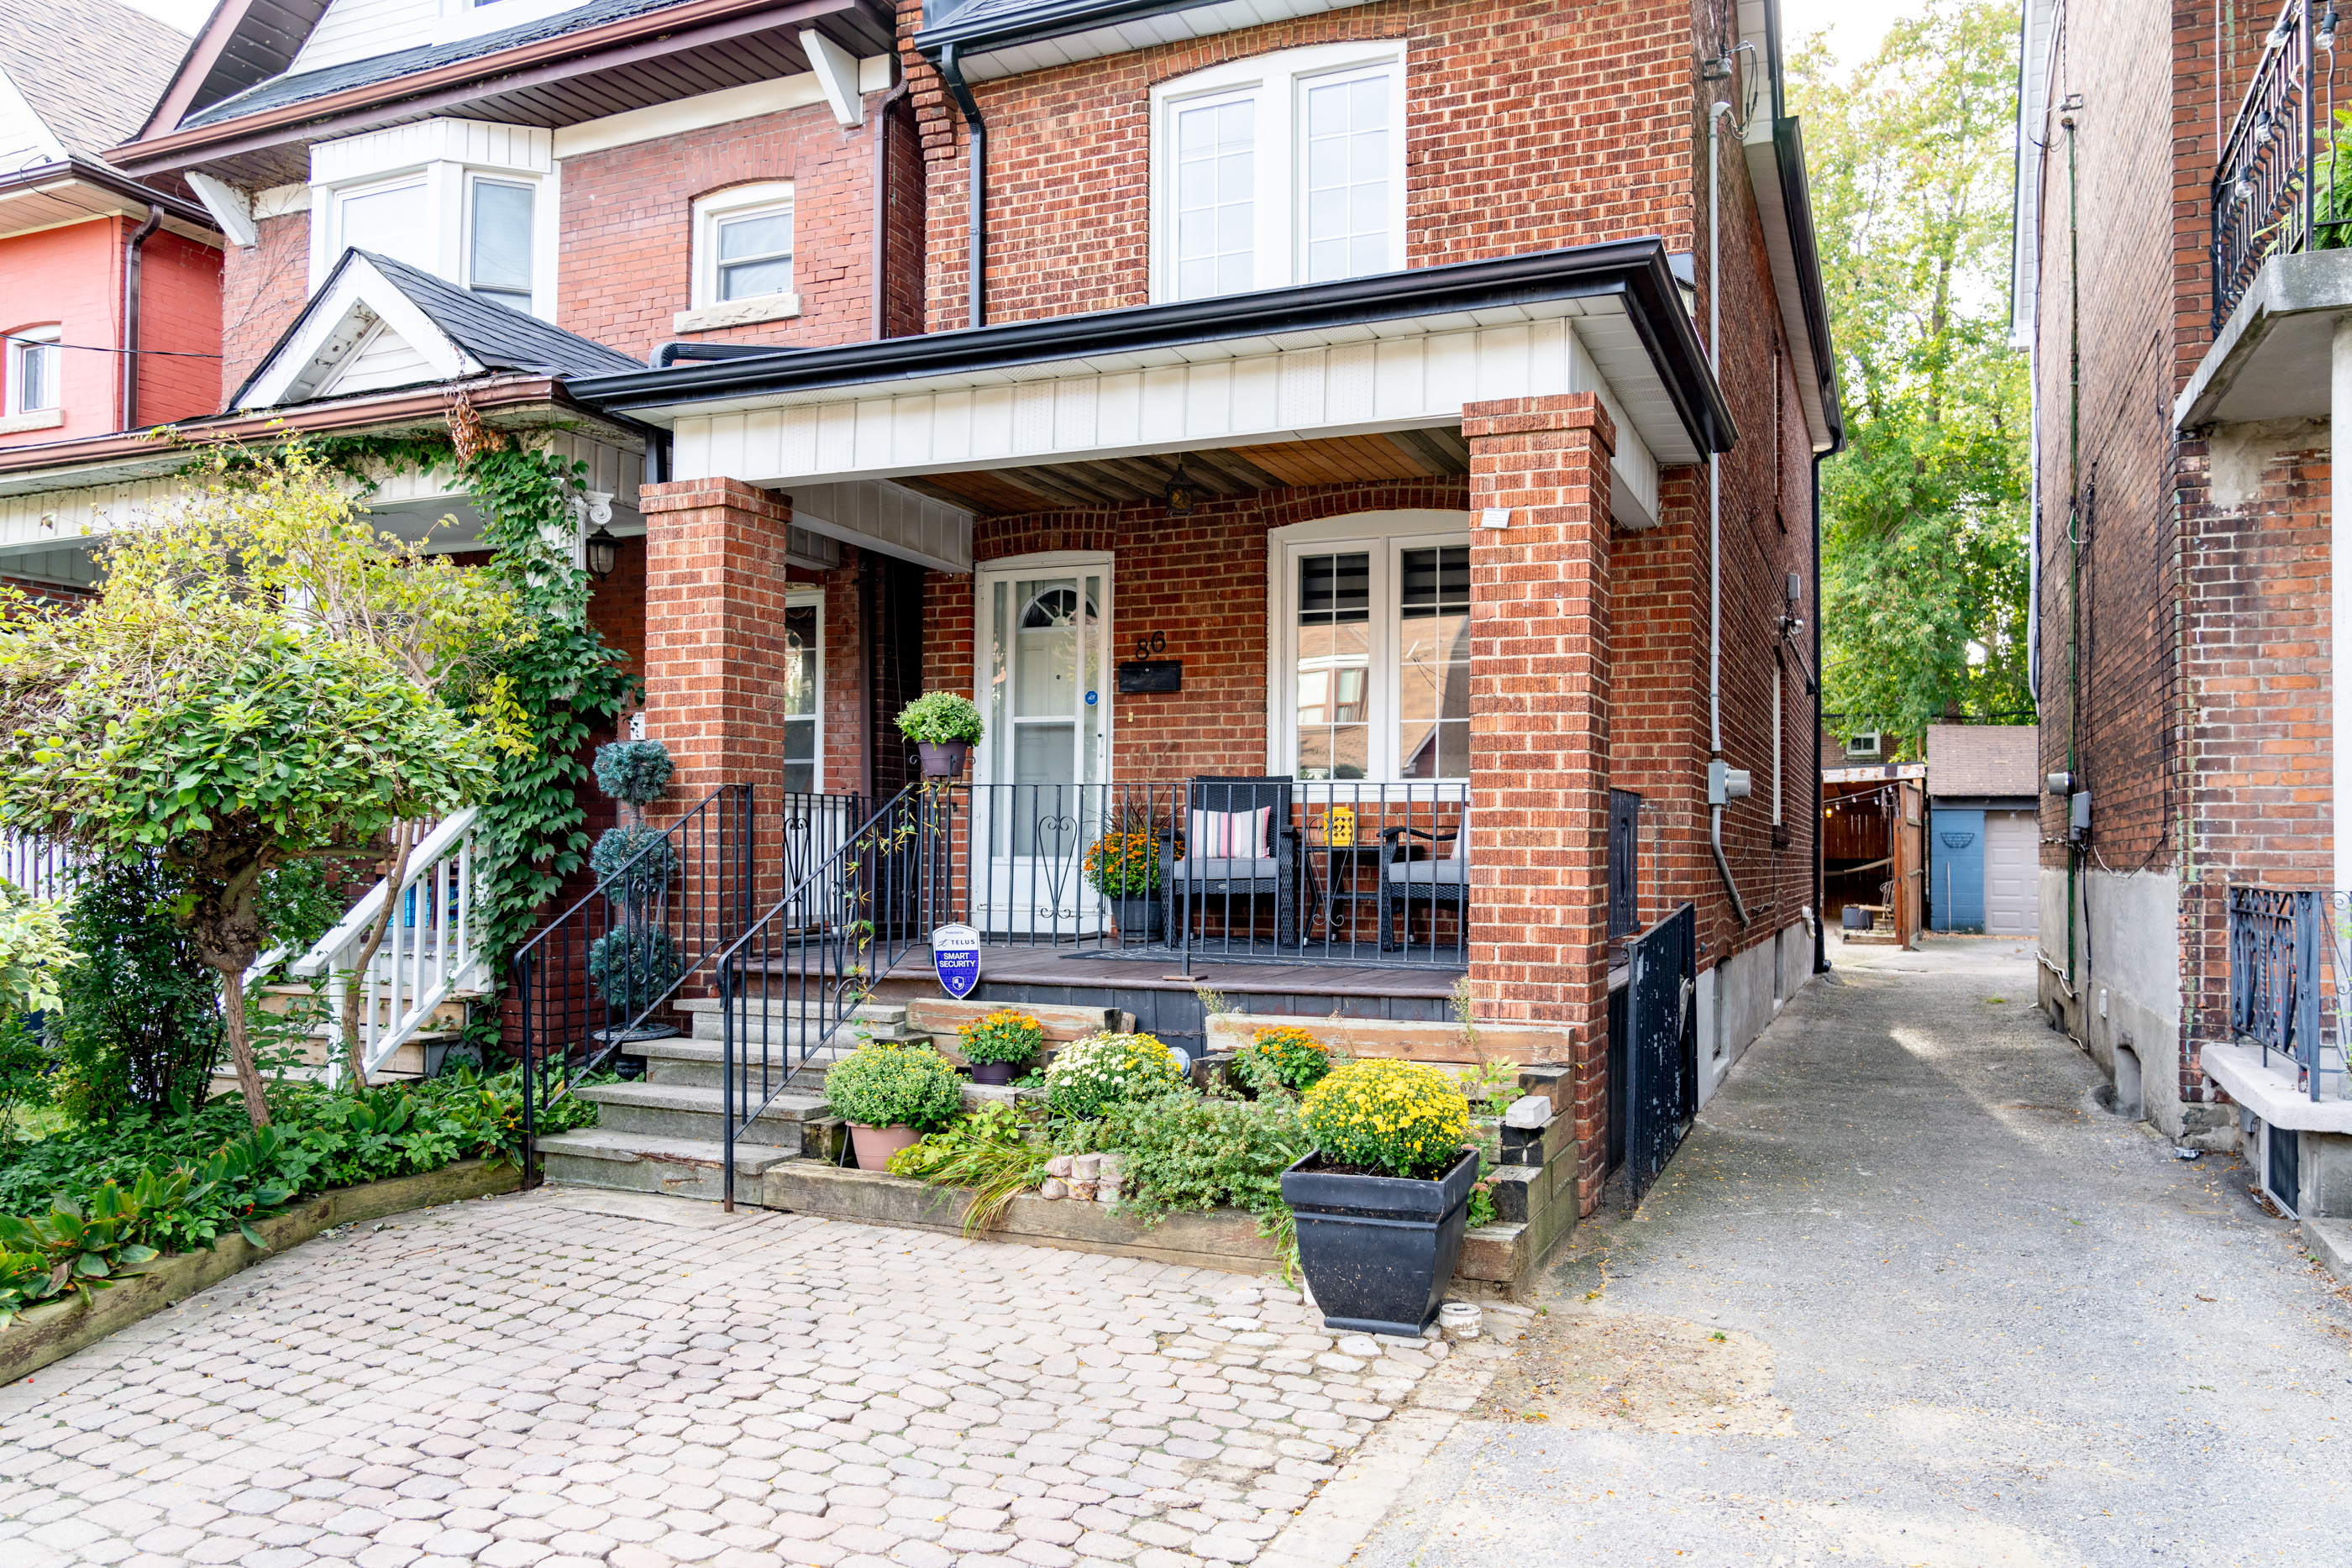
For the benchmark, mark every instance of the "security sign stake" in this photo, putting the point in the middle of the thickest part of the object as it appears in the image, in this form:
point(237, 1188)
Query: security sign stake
point(955, 958)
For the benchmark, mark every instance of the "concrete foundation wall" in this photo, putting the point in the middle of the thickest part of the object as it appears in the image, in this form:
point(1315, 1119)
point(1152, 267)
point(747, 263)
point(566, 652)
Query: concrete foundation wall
point(1743, 994)
point(2127, 983)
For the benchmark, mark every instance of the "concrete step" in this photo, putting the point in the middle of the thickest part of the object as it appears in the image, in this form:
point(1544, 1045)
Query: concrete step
point(641, 1162)
point(696, 1063)
point(676, 1110)
point(779, 1018)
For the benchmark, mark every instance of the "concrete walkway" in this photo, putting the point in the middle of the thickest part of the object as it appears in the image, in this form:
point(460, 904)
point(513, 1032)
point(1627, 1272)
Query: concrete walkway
point(1909, 1295)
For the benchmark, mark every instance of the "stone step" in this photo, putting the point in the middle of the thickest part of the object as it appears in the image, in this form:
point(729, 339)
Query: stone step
point(696, 1063)
point(676, 1111)
point(642, 1162)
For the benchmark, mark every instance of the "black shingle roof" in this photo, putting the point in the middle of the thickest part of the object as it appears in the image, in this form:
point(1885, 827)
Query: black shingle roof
point(286, 89)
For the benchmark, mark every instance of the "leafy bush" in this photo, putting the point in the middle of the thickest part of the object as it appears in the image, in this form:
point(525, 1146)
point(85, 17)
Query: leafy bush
point(140, 1021)
point(1388, 1118)
point(634, 965)
point(634, 772)
point(301, 901)
point(1188, 1151)
point(1089, 1076)
point(1004, 1036)
point(1282, 1058)
point(941, 719)
point(886, 1085)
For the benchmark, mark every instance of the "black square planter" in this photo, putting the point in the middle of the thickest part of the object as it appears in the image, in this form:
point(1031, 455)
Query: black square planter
point(1379, 1250)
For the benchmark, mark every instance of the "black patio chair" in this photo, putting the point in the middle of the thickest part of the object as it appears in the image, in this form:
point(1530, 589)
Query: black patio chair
point(1216, 810)
point(1409, 887)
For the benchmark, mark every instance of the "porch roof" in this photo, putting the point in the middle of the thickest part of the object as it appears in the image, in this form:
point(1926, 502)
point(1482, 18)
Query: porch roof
point(1394, 351)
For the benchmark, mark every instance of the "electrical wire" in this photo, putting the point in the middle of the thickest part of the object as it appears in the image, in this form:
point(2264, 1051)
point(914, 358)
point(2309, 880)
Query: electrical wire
point(98, 349)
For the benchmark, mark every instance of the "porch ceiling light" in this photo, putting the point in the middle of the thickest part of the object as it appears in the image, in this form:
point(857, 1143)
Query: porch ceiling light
point(1180, 493)
point(604, 553)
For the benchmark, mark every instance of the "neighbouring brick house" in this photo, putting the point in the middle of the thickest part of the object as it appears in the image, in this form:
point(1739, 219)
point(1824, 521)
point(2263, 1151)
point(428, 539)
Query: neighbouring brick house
point(1327, 400)
point(2193, 735)
point(112, 314)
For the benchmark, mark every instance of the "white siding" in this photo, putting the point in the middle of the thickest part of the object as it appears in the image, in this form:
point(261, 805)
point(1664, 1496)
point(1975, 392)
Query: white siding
point(362, 29)
point(385, 360)
point(24, 138)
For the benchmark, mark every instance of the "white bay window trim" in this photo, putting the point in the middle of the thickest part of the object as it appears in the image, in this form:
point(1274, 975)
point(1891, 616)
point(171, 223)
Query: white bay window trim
point(1283, 219)
point(1383, 537)
point(444, 160)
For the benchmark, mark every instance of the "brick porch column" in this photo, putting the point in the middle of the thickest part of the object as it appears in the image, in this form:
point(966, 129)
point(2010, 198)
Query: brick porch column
point(715, 587)
point(1539, 699)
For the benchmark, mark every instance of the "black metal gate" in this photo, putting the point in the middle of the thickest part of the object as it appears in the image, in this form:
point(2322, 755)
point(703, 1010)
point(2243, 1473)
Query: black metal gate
point(1662, 1076)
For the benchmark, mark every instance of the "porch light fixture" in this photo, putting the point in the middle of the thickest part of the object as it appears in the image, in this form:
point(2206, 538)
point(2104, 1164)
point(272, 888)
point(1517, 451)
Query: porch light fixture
point(2263, 128)
point(2323, 35)
point(604, 553)
point(1180, 494)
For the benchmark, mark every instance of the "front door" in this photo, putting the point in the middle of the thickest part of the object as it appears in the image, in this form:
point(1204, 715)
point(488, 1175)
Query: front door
point(1039, 785)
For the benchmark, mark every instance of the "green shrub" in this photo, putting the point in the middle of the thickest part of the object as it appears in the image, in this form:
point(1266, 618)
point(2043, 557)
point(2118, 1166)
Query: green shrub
point(647, 851)
point(941, 719)
point(633, 965)
point(140, 1018)
point(886, 1085)
point(1001, 1036)
point(1282, 1058)
point(1089, 1076)
point(1187, 1151)
point(1391, 1118)
point(991, 1151)
point(301, 901)
point(634, 772)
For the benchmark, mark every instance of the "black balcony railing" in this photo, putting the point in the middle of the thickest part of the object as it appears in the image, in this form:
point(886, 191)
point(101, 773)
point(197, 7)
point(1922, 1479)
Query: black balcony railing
point(2275, 187)
point(2284, 982)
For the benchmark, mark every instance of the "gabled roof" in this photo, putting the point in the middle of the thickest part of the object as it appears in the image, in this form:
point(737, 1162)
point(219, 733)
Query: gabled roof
point(1983, 759)
point(88, 69)
point(378, 324)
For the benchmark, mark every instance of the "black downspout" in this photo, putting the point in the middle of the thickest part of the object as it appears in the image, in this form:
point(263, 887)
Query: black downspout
point(131, 250)
point(882, 115)
point(952, 74)
point(1820, 915)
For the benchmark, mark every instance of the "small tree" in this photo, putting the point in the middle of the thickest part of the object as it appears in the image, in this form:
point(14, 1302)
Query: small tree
point(262, 678)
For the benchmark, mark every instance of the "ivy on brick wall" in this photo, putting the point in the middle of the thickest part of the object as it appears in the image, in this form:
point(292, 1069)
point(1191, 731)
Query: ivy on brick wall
point(567, 680)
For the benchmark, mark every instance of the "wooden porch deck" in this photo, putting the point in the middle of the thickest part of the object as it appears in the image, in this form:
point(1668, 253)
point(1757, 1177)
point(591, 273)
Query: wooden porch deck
point(1162, 970)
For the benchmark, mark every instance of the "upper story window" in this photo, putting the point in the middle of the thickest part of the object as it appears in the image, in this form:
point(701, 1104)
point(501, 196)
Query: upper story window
point(1284, 168)
point(742, 259)
point(468, 201)
point(34, 370)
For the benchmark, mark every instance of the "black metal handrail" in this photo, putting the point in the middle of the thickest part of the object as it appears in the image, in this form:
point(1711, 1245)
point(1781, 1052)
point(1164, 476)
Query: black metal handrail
point(589, 981)
point(2285, 981)
point(799, 973)
point(2275, 186)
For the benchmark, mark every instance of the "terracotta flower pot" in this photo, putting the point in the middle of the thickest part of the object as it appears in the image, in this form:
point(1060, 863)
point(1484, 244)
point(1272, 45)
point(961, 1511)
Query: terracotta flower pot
point(875, 1146)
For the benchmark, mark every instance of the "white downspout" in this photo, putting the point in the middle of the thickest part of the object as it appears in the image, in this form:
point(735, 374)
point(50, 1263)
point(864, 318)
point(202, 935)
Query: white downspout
point(1717, 774)
point(2340, 589)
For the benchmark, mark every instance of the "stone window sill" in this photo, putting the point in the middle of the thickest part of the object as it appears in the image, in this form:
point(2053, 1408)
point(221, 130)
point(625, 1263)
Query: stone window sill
point(737, 313)
point(42, 419)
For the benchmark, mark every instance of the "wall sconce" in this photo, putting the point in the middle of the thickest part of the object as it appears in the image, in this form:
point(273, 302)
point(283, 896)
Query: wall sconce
point(1181, 495)
point(604, 554)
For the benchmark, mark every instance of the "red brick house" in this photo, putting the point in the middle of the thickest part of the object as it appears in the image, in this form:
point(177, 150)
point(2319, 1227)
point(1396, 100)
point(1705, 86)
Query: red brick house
point(1404, 414)
point(2191, 603)
point(112, 315)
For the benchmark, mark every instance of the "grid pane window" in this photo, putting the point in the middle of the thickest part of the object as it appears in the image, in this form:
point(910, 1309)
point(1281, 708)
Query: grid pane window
point(802, 653)
point(1434, 662)
point(1346, 178)
point(501, 260)
point(1215, 223)
point(33, 374)
point(755, 253)
point(1334, 674)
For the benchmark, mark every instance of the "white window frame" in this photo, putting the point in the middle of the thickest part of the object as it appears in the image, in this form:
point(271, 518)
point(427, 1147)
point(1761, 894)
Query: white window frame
point(18, 342)
point(807, 599)
point(1384, 536)
point(472, 18)
point(706, 310)
point(448, 185)
point(476, 179)
point(1277, 84)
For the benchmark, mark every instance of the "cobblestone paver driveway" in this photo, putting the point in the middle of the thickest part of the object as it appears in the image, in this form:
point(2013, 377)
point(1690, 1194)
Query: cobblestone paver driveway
point(568, 1378)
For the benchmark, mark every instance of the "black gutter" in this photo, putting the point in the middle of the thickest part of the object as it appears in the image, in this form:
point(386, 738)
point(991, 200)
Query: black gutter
point(1003, 27)
point(1633, 272)
point(1813, 746)
point(1797, 203)
point(672, 350)
point(976, 226)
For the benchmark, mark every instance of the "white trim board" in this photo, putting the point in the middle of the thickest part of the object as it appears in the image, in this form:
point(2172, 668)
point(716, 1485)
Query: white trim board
point(1356, 381)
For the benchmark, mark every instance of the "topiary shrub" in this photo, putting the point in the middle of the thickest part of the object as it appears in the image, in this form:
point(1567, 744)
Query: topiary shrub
point(1089, 1076)
point(1388, 1118)
point(632, 965)
point(634, 772)
point(654, 859)
point(884, 1083)
point(1282, 1058)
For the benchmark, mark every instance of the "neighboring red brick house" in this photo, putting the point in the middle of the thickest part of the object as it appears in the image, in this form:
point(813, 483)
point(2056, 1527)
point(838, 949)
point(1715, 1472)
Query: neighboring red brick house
point(112, 320)
point(1329, 402)
point(2195, 734)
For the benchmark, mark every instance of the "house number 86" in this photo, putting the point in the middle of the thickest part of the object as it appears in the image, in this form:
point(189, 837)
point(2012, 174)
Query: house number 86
point(1155, 644)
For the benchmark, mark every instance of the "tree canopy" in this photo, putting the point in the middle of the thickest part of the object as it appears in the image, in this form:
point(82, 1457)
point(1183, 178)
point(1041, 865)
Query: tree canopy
point(1923, 562)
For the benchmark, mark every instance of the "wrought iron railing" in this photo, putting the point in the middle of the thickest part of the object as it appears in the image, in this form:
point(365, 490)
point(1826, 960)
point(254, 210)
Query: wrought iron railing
point(2275, 185)
point(606, 971)
point(2285, 981)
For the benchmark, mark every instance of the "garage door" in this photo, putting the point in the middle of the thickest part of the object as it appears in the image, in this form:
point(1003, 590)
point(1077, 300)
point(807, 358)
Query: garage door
point(2011, 870)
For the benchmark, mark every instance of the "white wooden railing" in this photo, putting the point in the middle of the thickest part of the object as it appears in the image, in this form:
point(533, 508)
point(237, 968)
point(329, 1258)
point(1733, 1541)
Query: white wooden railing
point(429, 956)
